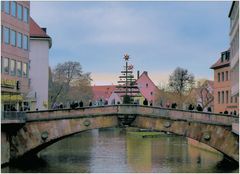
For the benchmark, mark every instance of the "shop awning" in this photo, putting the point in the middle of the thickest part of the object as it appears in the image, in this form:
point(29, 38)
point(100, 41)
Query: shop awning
point(11, 98)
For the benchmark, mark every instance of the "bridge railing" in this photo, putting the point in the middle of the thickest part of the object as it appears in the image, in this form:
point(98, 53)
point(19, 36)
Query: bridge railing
point(72, 113)
point(178, 114)
point(13, 115)
point(174, 114)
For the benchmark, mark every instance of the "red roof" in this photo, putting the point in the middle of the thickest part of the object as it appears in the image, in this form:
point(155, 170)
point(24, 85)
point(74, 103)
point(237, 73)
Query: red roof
point(220, 64)
point(102, 92)
point(36, 30)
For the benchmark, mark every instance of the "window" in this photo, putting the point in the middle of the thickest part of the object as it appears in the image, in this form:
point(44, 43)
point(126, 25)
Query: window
point(226, 75)
point(29, 83)
point(218, 77)
point(236, 99)
point(151, 93)
point(146, 84)
point(25, 70)
point(25, 14)
point(2, 5)
point(19, 69)
point(13, 37)
point(223, 57)
point(7, 7)
point(1, 33)
point(5, 65)
point(222, 76)
point(19, 40)
point(222, 96)
point(6, 35)
point(19, 11)
point(228, 55)
point(227, 96)
point(13, 8)
point(25, 42)
point(231, 100)
point(12, 67)
point(218, 97)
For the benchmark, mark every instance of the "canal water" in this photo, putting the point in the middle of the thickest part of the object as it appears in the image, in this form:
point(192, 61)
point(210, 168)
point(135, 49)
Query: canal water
point(113, 150)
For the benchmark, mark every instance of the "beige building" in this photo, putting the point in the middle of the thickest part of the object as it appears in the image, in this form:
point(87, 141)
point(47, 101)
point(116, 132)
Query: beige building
point(14, 54)
point(223, 101)
point(234, 47)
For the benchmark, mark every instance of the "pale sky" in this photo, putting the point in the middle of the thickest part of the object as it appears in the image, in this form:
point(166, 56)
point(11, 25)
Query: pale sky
point(158, 36)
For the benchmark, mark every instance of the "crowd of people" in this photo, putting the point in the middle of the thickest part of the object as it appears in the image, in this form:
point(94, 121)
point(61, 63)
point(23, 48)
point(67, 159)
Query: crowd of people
point(72, 105)
point(80, 104)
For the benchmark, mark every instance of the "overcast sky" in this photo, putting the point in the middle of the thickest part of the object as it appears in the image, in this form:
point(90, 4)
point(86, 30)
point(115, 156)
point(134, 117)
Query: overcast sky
point(158, 36)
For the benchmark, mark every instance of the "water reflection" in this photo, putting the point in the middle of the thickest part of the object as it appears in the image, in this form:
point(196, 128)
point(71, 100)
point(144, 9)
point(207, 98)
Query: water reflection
point(111, 150)
point(139, 154)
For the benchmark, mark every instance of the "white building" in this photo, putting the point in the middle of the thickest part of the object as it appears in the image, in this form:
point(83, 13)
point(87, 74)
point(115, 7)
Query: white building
point(40, 43)
point(234, 47)
point(114, 99)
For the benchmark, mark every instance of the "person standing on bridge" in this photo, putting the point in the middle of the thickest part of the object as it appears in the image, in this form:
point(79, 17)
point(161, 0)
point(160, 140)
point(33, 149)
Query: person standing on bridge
point(151, 103)
point(199, 107)
point(61, 106)
point(90, 103)
point(81, 104)
point(145, 102)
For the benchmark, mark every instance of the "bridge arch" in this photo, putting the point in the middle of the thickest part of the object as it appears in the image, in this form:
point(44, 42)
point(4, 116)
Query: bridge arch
point(43, 128)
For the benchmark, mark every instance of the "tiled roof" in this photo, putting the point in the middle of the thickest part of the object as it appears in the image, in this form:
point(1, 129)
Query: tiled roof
point(36, 30)
point(220, 64)
point(103, 92)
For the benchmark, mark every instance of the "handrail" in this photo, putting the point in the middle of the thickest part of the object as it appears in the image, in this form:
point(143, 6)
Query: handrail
point(13, 115)
point(132, 105)
point(175, 114)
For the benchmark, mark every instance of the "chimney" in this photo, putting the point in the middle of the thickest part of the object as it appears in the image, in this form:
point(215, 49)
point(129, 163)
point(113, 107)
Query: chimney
point(44, 29)
point(138, 72)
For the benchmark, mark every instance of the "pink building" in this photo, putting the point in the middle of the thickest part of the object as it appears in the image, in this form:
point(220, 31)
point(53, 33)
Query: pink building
point(147, 88)
point(104, 93)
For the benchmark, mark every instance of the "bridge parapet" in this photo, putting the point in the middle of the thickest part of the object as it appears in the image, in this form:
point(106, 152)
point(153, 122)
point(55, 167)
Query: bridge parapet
point(12, 117)
point(176, 114)
point(137, 110)
point(71, 113)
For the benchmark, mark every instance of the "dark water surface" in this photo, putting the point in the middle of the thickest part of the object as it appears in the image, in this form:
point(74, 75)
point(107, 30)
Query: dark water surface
point(112, 150)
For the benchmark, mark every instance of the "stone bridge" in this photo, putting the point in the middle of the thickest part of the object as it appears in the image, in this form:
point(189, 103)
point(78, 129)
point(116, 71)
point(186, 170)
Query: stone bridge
point(43, 128)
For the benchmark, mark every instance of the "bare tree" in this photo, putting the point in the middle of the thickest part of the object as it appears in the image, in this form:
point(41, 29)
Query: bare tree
point(65, 76)
point(81, 89)
point(181, 82)
point(163, 96)
point(204, 93)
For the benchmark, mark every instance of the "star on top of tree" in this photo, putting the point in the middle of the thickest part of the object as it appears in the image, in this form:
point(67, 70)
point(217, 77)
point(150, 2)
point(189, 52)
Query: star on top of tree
point(126, 57)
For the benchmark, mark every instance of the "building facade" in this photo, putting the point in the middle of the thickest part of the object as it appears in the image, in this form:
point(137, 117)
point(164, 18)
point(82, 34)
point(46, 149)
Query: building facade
point(14, 54)
point(147, 88)
point(40, 43)
point(223, 101)
point(114, 99)
point(234, 47)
